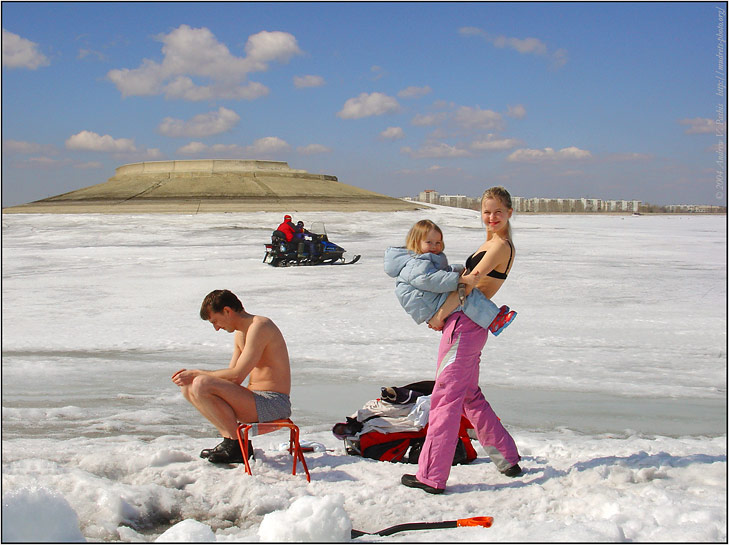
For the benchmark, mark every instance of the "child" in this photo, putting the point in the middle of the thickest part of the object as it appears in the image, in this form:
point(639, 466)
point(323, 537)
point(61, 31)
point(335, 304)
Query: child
point(424, 280)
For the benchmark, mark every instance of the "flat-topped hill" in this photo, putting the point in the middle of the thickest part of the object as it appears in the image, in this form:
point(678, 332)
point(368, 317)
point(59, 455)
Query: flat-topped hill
point(214, 185)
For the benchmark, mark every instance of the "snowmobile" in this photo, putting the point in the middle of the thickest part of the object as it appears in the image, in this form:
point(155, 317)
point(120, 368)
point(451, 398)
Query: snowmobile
point(310, 248)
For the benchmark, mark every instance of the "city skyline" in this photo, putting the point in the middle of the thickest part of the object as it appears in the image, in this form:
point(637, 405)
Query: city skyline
point(522, 203)
point(622, 100)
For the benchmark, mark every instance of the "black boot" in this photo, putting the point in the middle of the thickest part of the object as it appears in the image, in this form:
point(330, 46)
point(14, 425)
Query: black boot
point(229, 453)
point(513, 471)
point(206, 452)
point(411, 481)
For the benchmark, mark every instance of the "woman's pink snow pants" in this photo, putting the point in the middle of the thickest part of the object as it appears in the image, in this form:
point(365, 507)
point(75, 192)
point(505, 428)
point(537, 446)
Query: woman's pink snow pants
point(456, 391)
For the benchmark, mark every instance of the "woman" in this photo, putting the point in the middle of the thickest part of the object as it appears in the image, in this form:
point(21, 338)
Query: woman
point(456, 386)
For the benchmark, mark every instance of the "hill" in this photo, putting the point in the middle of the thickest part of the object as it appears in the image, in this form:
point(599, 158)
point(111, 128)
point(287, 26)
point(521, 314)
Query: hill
point(214, 185)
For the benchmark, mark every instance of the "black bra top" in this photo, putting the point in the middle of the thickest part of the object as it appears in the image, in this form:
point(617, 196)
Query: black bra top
point(475, 259)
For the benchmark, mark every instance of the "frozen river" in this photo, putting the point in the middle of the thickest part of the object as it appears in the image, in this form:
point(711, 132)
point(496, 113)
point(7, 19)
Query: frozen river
point(621, 319)
point(621, 328)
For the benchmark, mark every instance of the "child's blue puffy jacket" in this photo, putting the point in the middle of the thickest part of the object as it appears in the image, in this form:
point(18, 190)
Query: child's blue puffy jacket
point(423, 282)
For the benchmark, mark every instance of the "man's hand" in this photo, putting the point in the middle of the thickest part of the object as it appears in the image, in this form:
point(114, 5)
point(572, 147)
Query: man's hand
point(183, 377)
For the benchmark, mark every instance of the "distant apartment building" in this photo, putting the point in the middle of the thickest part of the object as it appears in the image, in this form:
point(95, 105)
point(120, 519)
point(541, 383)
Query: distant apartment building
point(556, 206)
point(622, 206)
point(430, 196)
point(457, 201)
point(695, 209)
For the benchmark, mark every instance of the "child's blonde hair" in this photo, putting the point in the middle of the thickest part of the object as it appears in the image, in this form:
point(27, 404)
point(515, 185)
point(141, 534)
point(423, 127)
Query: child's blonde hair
point(418, 232)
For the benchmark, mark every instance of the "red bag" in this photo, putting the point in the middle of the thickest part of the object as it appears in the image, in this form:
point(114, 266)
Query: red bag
point(393, 447)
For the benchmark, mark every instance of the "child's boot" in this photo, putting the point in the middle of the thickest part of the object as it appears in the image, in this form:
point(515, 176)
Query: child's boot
point(503, 319)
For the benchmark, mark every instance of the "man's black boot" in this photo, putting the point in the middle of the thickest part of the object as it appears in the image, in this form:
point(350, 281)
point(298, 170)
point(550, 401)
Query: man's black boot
point(206, 452)
point(229, 453)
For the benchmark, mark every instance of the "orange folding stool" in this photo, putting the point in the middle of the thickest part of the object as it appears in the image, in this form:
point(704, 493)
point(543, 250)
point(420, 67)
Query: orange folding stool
point(259, 428)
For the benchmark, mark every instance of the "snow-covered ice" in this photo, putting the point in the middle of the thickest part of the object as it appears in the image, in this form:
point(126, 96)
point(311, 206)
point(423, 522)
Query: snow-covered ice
point(612, 380)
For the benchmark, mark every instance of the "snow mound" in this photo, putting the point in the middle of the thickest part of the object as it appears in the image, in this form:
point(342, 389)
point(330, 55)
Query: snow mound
point(308, 519)
point(188, 531)
point(38, 514)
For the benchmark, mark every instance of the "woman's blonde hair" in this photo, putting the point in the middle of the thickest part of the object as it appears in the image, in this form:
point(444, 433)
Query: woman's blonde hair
point(418, 232)
point(500, 193)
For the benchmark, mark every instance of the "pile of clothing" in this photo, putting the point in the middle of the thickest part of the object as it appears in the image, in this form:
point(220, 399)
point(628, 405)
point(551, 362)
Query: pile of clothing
point(393, 427)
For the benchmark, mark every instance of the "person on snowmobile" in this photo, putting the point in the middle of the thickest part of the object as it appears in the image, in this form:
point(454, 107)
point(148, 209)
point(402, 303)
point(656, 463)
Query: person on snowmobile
point(288, 228)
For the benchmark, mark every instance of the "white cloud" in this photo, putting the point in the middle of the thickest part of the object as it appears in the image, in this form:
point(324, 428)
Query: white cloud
point(571, 153)
point(378, 72)
point(517, 112)
point(630, 157)
point(268, 145)
point(219, 150)
point(88, 165)
point(525, 46)
point(559, 58)
point(120, 147)
point(414, 92)
point(699, 125)
point(47, 163)
point(201, 125)
point(83, 53)
point(435, 150)
point(150, 153)
point(192, 148)
point(21, 53)
point(392, 133)
point(313, 149)
point(44, 162)
point(185, 88)
point(145, 80)
point(367, 105)
point(228, 149)
point(427, 120)
point(493, 143)
point(434, 170)
point(21, 147)
point(196, 53)
point(267, 46)
point(476, 118)
point(91, 141)
point(308, 81)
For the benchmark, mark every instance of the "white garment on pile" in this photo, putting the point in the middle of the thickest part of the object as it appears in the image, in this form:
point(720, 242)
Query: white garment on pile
point(386, 417)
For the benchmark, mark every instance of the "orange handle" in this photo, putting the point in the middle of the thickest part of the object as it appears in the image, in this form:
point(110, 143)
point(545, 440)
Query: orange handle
point(486, 522)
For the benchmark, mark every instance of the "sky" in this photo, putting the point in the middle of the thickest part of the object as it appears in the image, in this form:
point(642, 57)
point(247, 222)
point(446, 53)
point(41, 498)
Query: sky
point(599, 100)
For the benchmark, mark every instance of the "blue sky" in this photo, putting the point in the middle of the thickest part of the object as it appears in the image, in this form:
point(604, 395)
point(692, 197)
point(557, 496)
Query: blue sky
point(602, 100)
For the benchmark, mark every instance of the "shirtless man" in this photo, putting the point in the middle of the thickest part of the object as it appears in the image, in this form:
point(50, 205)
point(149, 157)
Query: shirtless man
point(259, 353)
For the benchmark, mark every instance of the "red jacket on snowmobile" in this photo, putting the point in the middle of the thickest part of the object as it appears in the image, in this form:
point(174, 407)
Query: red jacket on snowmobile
point(287, 228)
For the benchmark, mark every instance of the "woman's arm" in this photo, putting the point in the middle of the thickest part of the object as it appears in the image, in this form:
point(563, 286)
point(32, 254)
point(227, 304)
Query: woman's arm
point(452, 301)
point(496, 255)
